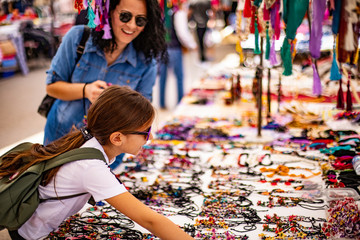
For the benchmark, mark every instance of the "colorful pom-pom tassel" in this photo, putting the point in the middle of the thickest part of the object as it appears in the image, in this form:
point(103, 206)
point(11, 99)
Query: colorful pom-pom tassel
point(340, 97)
point(286, 57)
point(316, 81)
point(334, 71)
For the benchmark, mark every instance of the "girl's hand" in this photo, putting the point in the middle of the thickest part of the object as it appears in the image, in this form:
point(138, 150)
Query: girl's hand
point(93, 90)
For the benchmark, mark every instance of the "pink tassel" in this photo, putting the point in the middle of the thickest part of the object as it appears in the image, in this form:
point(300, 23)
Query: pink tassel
point(316, 81)
point(272, 57)
point(107, 33)
point(97, 19)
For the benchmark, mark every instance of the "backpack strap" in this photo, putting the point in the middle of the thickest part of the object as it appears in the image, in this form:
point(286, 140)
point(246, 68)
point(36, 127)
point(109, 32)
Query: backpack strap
point(74, 155)
point(81, 47)
point(70, 156)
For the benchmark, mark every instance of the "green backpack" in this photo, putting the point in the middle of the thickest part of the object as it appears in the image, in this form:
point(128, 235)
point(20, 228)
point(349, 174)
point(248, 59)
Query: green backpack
point(20, 197)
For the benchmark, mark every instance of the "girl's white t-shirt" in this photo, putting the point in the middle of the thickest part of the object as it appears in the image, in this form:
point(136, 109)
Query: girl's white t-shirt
point(92, 176)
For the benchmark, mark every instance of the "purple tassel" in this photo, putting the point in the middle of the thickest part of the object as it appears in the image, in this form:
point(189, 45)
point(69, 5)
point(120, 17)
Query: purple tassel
point(97, 19)
point(104, 18)
point(340, 97)
point(107, 5)
point(272, 57)
point(316, 82)
point(348, 96)
point(318, 12)
point(107, 33)
point(85, 3)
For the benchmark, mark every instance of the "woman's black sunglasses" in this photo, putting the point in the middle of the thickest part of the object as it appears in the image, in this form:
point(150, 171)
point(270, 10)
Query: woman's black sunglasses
point(125, 17)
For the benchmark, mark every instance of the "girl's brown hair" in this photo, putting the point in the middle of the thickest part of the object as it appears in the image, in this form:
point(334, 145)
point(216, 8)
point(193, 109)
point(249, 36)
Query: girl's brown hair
point(117, 109)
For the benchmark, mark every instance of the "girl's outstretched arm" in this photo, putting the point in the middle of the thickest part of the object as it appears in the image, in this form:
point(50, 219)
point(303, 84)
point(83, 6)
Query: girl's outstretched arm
point(156, 223)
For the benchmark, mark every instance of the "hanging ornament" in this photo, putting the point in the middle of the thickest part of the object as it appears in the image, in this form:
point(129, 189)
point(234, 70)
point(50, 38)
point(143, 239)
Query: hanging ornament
point(269, 3)
point(348, 95)
point(107, 32)
point(266, 17)
point(78, 5)
point(257, 3)
point(97, 18)
point(317, 16)
point(334, 71)
point(238, 48)
point(267, 51)
point(294, 12)
point(257, 48)
point(90, 16)
point(336, 10)
point(272, 57)
point(167, 20)
point(275, 18)
point(285, 54)
point(340, 97)
point(316, 80)
point(247, 13)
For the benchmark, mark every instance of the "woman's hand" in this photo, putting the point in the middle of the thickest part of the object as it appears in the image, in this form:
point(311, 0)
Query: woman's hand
point(93, 90)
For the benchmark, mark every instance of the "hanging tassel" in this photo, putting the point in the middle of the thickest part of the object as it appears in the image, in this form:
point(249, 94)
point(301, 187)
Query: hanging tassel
point(286, 57)
point(334, 72)
point(167, 21)
point(316, 81)
point(348, 95)
point(317, 17)
point(267, 51)
point(272, 57)
point(247, 9)
point(98, 5)
point(340, 96)
point(356, 58)
point(238, 48)
point(275, 19)
point(97, 18)
point(91, 17)
point(78, 4)
point(257, 48)
point(257, 3)
point(107, 32)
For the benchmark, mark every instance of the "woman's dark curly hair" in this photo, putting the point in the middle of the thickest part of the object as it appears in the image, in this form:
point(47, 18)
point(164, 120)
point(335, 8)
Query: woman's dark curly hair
point(151, 41)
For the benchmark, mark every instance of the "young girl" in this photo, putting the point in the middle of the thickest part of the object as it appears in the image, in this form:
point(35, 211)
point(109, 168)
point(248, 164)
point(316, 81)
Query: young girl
point(119, 121)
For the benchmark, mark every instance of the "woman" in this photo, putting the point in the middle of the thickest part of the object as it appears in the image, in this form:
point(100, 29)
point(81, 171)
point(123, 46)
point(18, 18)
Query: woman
point(119, 121)
point(127, 58)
